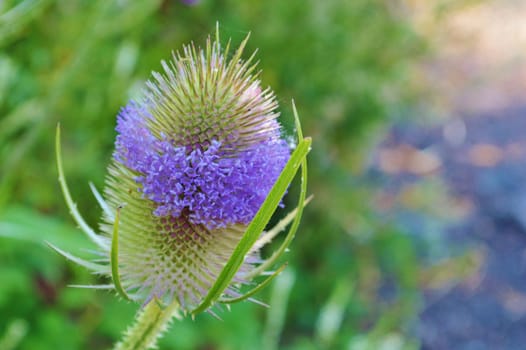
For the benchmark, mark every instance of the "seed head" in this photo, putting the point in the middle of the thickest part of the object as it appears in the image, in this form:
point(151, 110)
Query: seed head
point(194, 161)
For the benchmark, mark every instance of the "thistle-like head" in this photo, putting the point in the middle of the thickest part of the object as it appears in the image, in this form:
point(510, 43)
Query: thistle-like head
point(199, 166)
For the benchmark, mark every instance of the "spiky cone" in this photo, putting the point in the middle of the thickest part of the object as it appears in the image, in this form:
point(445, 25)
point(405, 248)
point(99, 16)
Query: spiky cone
point(199, 168)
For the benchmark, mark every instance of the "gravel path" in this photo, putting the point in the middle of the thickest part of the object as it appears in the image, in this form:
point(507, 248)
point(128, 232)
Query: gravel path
point(482, 159)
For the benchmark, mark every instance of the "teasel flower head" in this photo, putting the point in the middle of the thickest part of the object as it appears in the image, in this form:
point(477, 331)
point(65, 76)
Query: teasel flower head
point(199, 167)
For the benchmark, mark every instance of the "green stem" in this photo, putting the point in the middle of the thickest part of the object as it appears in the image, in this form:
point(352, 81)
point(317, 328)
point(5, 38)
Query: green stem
point(150, 323)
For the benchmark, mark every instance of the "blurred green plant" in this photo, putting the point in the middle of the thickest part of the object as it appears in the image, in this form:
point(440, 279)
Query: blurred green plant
point(346, 63)
point(16, 330)
point(277, 309)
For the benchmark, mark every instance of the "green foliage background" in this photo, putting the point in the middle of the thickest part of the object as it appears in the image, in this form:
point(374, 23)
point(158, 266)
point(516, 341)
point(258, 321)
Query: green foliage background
point(347, 64)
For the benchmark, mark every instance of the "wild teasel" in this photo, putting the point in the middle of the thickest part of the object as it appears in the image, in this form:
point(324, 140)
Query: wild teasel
point(198, 170)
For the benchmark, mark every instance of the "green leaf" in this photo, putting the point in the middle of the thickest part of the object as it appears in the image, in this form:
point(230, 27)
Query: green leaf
point(269, 235)
point(82, 262)
point(114, 258)
point(256, 289)
point(69, 201)
point(261, 219)
point(299, 211)
point(104, 206)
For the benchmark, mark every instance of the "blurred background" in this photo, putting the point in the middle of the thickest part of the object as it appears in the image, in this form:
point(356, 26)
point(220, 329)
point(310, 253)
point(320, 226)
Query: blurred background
point(416, 237)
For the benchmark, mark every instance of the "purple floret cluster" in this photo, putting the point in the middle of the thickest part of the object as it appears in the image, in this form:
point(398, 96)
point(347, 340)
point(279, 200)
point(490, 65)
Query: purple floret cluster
point(210, 185)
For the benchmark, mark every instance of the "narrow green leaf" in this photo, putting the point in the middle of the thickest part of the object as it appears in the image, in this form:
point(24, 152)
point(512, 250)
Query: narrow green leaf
point(101, 269)
point(261, 219)
point(256, 226)
point(301, 203)
point(256, 289)
point(101, 201)
point(114, 258)
point(92, 286)
point(268, 236)
point(297, 121)
point(69, 201)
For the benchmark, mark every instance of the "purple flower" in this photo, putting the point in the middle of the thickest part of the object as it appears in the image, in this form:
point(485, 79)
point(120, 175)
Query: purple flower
point(193, 162)
point(215, 180)
point(211, 155)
